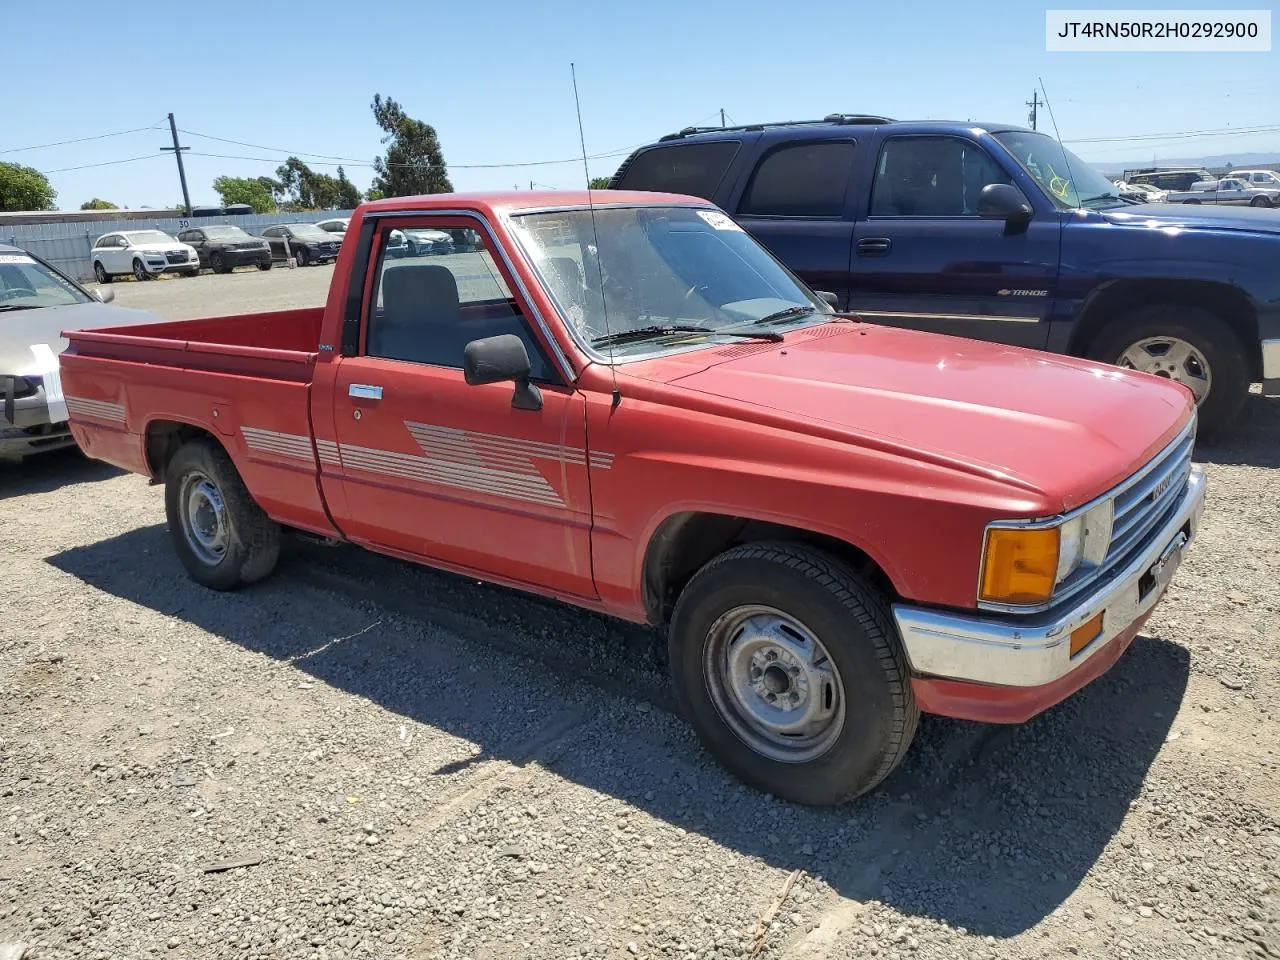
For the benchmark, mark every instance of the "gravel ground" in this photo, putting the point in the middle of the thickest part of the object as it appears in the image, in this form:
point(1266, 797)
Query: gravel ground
point(245, 290)
point(407, 764)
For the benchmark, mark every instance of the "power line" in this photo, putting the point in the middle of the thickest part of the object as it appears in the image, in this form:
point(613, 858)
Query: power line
point(364, 163)
point(451, 166)
point(105, 163)
point(62, 143)
point(1184, 135)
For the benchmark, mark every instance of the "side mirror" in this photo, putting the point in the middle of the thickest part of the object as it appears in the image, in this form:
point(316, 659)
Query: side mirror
point(1003, 201)
point(498, 359)
point(106, 296)
point(830, 297)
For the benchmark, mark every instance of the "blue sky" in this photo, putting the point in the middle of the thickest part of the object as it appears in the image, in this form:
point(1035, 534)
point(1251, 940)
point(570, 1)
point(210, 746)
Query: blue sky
point(493, 78)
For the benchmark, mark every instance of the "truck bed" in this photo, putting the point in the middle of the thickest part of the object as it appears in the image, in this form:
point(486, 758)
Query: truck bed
point(280, 345)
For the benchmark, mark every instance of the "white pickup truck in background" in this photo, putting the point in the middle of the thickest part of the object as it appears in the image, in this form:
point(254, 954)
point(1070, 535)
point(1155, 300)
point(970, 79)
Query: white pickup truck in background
point(1233, 190)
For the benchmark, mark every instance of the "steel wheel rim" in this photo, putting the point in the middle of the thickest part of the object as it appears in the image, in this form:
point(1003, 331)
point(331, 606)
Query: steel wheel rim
point(774, 683)
point(1171, 358)
point(203, 513)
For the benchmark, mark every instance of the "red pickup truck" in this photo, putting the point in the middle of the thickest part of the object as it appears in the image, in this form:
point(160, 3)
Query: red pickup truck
point(629, 405)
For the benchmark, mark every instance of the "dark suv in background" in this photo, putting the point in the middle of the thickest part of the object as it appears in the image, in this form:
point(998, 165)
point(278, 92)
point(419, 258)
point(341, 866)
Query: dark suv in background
point(995, 232)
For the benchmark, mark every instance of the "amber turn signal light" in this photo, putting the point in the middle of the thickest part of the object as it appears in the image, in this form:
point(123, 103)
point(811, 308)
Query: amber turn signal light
point(1086, 633)
point(1020, 565)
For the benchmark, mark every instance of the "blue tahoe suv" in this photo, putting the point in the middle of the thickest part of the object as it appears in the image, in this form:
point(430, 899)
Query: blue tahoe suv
point(998, 233)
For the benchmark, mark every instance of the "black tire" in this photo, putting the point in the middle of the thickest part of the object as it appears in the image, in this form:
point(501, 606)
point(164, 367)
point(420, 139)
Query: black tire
point(192, 273)
point(1193, 202)
point(100, 272)
point(252, 539)
point(140, 270)
point(1260, 202)
point(218, 264)
point(266, 266)
point(850, 619)
point(1208, 333)
point(301, 256)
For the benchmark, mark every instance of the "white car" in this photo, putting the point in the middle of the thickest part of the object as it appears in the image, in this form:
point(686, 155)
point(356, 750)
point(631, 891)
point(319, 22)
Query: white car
point(336, 226)
point(144, 253)
point(1258, 178)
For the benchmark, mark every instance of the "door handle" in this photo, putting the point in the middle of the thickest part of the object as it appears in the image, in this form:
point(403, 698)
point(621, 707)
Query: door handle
point(365, 391)
point(874, 246)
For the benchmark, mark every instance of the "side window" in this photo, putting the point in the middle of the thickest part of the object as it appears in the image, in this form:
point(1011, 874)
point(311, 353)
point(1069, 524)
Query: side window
point(428, 306)
point(270, 232)
point(694, 169)
point(931, 177)
point(800, 180)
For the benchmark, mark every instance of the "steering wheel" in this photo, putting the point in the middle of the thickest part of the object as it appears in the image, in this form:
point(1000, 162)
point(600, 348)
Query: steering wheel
point(10, 293)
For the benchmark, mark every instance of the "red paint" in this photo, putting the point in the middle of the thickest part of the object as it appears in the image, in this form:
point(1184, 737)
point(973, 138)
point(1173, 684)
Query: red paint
point(900, 443)
point(988, 703)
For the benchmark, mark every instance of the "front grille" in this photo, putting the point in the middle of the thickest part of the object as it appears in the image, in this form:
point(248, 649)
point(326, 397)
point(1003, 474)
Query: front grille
point(1143, 504)
point(176, 256)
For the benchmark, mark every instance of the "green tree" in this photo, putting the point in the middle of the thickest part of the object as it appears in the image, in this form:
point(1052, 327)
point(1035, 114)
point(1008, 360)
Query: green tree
point(96, 204)
point(414, 163)
point(304, 189)
point(24, 188)
point(600, 183)
point(245, 190)
point(348, 194)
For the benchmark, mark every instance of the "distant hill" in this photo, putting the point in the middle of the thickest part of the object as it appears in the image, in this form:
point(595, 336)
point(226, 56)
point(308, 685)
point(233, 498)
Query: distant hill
point(1234, 161)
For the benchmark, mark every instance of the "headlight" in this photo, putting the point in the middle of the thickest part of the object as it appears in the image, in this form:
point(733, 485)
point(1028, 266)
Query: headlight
point(1022, 566)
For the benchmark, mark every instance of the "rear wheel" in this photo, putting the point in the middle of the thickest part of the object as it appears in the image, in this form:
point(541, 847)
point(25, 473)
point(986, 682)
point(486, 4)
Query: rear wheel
point(1260, 201)
point(223, 538)
point(788, 666)
point(100, 272)
point(1183, 343)
point(140, 270)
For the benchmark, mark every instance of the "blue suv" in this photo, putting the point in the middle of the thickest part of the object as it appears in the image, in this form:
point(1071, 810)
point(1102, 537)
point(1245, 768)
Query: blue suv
point(999, 233)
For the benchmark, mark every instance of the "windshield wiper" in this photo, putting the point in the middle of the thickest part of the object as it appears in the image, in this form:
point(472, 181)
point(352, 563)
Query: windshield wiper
point(1102, 196)
point(661, 330)
point(798, 310)
point(17, 306)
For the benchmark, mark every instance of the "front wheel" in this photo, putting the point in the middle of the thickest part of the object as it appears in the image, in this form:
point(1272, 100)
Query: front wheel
point(221, 535)
point(218, 264)
point(301, 256)
point(140, 271)
point(100, 272)
point(789, 668)
point(1260, 201)
point(1183, 343)
point(265, 266)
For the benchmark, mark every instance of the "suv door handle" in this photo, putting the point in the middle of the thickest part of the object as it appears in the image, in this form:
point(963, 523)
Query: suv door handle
point(366, 391)
point(874, 246)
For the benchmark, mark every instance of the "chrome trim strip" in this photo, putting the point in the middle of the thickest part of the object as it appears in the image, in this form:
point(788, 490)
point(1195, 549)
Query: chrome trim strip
point(942, 316)
point(1271, 359)
point(1030, 652)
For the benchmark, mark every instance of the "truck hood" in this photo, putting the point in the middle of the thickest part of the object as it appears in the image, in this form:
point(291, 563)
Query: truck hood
point(20, 330)
point(1162, 216)
point(1067, 429)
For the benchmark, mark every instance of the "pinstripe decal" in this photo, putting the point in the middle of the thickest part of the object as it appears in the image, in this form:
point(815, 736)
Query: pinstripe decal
point(97, 409)
point(464, 460)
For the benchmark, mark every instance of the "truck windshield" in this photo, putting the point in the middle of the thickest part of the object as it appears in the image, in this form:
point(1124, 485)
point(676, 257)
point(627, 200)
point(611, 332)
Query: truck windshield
point(654, 269)
point(1068, 180)
point(27, 284)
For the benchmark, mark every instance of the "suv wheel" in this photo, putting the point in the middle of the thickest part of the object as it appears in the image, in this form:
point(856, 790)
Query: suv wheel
point(140, 270)
point(1183, 343)
point(100, 272)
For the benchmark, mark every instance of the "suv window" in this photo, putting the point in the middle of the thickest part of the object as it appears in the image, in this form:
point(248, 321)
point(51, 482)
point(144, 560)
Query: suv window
point(428, 308)
point(695, 169)
point(931, 177)
point(800, 180)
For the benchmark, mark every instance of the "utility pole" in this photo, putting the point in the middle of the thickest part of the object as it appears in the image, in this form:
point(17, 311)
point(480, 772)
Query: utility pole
point(1033, 103)
point(182, 174)
point(722, 118)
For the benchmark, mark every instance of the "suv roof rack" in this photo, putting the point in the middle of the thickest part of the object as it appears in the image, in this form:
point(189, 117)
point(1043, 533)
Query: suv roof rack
point(840, 118)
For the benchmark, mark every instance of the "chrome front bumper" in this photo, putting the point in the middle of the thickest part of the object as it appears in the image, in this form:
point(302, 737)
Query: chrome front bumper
point(1271, 367)
point(1031, 651)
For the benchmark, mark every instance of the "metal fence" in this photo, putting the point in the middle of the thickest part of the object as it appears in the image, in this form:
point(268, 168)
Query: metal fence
point(67, 245)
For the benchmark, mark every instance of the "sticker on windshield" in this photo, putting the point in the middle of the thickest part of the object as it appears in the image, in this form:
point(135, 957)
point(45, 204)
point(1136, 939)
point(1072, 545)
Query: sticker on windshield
point(718, 220)
point(15, 258)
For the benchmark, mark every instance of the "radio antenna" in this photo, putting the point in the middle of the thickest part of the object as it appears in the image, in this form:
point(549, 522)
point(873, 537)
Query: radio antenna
point(1071, 177)
point(595, 237)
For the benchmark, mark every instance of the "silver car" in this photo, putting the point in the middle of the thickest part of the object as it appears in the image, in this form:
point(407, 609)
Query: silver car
point(38, 302)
